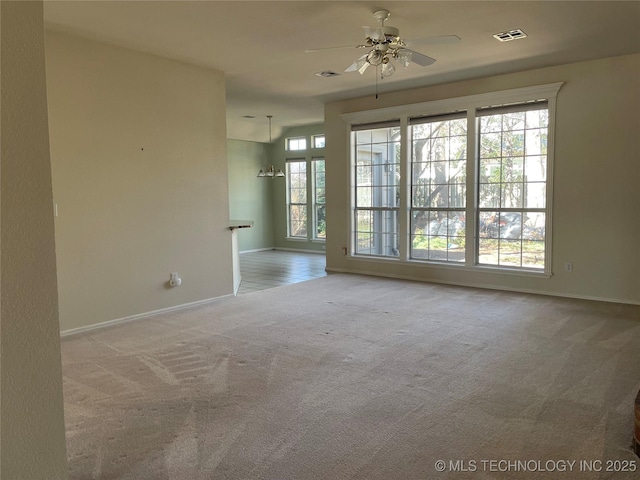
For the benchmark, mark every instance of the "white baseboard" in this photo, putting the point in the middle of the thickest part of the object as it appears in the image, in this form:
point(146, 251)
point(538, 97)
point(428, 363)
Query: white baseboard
point(131, 318)
point(321, 252)
point(257, 250)
point(301, 250)
point(488, 287)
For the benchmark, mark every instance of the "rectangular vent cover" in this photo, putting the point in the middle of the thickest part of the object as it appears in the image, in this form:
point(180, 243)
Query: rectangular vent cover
point(510, 35)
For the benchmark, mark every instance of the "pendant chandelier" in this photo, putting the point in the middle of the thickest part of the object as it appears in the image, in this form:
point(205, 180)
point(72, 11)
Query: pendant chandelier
point(270, 171)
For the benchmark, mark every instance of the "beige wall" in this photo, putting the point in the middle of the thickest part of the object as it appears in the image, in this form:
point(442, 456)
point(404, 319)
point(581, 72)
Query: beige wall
point(596, 224)
point(250, 196)
point(139, 163)
point(32, 442)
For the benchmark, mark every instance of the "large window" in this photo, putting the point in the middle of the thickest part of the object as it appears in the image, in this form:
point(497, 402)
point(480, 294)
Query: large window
point(306, 211)
point(319, 208)
point(438, 188)
point(464, 182)
point(377, 194)
point(512, 187)
point(297, 198)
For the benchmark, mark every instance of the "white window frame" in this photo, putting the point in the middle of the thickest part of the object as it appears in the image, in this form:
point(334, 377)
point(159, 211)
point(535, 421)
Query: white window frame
point(314, 198)
point(447, 230)
point(290, 204)
point(501, 217)
point(314, 140)
point(379, 201)
point(469, 104)
point(292, 144)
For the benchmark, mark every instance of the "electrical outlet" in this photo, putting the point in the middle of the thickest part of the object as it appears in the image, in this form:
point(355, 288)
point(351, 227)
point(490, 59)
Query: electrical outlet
point(344, 250)
point(568, 267)
point(175, 280)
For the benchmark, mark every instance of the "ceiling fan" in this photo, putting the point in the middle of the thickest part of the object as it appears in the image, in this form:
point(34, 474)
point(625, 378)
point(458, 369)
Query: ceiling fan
point(385, 44)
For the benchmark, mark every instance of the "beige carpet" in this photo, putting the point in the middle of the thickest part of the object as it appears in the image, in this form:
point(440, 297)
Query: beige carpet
point(353, 377)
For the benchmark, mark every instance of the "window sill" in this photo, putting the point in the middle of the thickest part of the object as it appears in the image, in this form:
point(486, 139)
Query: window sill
point(456, 267)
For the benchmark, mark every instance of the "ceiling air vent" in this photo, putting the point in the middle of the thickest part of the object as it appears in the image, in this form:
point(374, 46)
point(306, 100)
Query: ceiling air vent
point(327, 73)
point(510, 35)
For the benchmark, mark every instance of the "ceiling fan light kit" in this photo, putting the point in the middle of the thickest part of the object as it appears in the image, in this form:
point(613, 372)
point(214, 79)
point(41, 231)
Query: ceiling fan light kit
point(385, 45)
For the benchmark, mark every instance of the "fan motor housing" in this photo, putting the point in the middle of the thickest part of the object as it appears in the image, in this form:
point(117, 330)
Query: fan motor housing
point(390, 31)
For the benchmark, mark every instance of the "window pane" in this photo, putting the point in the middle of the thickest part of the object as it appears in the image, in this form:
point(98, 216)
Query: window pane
point(321, 222)
point(457, 195)
point(490, 145)
point(511, 195)
point(513, 143)
point(318, 141)
point(536, 169)
point(489, 225)
point(363, 137)
point(491, 123)
point(385, 196)
point(438, 172)
point(377, 186)
point(534, 226)
point(364, 221)
point(490, 170)
point(536, 195)
point(363, 197)
point(512, 188)
point(533, 254)
point(510, 225)
point(512, 169)
point(319, 199)
point(536, 143)
point(299, 143)
point(438, 235)
point(376, 232)
point(297, 198)
point(510, 240)
point(510, 253)
point(298, 220)
point(488, 251)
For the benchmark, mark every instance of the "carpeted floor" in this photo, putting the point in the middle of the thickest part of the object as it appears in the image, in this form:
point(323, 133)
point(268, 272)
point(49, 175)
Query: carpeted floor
point(353, 377)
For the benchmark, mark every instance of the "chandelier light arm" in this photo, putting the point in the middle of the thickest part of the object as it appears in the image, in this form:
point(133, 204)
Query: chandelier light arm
point(270, 170)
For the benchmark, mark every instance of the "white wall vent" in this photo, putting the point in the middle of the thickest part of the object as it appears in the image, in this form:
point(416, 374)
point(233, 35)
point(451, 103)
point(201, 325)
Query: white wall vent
point(510, 35)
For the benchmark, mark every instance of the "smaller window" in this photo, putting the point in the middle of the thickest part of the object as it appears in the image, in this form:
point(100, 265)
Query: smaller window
point(318, 141)
point(297, 198)
point(319, 208)
point(296, 143)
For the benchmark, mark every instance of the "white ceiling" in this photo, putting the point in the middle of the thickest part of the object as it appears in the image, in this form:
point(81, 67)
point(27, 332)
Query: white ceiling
point(260, 46)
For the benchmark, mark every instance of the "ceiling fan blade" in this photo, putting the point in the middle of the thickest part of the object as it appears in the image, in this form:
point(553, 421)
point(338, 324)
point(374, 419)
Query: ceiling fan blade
point(420, 59)
point(437, 40)
point(322, 49)
point(358, 65)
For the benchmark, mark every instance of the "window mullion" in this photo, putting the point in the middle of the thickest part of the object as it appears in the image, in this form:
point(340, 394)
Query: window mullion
point(311, 217)
point(405, 190)
point(551, 128)
point(471, 245)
